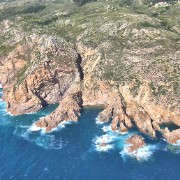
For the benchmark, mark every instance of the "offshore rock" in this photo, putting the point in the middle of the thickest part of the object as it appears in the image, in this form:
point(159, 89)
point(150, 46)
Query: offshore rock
point(134, 143)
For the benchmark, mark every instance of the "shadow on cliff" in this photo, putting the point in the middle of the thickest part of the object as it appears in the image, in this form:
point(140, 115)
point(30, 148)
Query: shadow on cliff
point(78, 65)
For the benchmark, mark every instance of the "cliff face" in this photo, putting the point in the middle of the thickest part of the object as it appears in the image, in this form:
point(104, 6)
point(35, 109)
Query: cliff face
point(121, 60)
point(38, 73)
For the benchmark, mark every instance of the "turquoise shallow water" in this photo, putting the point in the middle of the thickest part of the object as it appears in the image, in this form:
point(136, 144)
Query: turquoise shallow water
point(72, 152)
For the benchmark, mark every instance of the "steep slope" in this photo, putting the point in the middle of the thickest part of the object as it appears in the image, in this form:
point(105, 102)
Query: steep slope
point(38, 72)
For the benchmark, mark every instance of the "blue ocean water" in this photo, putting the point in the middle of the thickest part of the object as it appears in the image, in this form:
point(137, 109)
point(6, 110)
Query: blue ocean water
point(72, 151)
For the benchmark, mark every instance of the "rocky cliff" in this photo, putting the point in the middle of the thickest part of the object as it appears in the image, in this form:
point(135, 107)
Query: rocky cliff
point(102, 54)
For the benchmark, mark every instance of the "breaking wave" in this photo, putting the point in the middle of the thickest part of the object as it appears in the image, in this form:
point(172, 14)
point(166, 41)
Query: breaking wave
point(33, 128)
point(61, 125)
point(40, 137)
point(98, 121)
point(46, 141)
point(116, 140)
point(102, 143)
point(174, 148)
point(109, 139)
point(142, 154)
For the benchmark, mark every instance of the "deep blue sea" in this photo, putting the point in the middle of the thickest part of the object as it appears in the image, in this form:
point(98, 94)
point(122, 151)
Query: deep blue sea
point(73, 151)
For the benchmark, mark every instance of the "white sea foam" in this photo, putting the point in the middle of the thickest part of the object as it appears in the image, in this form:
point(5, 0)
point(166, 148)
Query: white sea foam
point(63, 124)
point(49, 142)
point(33, 127)
point(23, 126)
point(21, 131)
point(43, 130)
point(174, 144)
point(146, 152)
point(46, 141)
point(174, 148)
point(106, 128)
point(111, 139)
point(98, 121)
point(104, 139)
point(104, 142)
point(178, 143)
point(104, 148)
point(117, 139)
point(141, 154)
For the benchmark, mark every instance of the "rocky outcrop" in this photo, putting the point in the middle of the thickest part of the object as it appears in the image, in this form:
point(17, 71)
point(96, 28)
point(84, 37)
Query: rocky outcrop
point(122, 107)
point(125, 111)
point(172, 137)
point(115, 111)
point(68, 109)
point(134, 143)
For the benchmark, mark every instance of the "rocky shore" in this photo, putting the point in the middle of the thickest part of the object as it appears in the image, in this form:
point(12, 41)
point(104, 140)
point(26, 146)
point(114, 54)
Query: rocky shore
point(52, 80)
point(44, 69)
